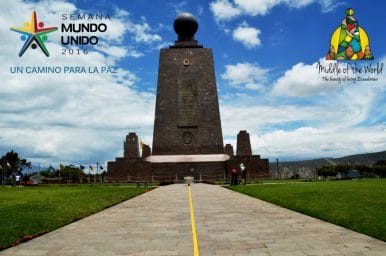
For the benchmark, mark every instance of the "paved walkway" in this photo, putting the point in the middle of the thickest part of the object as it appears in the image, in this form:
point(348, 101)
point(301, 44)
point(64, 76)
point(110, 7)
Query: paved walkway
point(227, 223)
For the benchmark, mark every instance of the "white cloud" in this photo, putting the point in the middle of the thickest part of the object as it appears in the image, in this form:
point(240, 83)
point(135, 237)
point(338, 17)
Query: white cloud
point(302, 80)
point(247, 75)
point(178, 7)
point(116, 29)
point(327, 120)
point(113, 51)
point(120, 13)
point(225, 10)
point(256, 7)
point(135, 54)
point(329, 128)
point(309, 142)
point(299, 3)
point(248, 36)
point(142, 33)
point(256, 117)
point(329, 5)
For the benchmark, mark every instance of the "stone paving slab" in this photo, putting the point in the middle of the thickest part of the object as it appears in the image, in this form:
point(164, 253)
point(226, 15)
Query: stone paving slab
point(228, 223)
point(154, 223)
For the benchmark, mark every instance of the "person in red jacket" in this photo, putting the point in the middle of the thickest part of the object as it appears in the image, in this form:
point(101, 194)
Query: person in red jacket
point(234, 177)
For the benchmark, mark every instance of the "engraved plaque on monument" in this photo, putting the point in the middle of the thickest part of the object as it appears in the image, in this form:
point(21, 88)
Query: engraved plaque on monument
point(187, 103)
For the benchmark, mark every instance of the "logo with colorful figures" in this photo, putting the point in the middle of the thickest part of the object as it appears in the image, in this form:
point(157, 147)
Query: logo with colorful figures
point(34, 34)
point(349, 41)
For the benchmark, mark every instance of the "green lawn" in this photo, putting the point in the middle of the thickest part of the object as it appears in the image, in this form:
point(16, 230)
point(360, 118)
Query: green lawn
point(28, 211)
point(359, 205)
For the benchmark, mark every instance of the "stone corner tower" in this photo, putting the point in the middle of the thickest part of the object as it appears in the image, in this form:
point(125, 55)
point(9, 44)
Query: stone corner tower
point(243, 144)
point(131, 146)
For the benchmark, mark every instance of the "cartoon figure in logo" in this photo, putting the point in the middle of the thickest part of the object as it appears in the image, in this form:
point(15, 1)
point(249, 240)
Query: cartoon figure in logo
point(368, 54)
point(331, 53)
point(349, 40)
point(349, 37)
point(349, 52)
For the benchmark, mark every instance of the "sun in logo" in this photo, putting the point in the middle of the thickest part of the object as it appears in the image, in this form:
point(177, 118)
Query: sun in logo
point(349, 41)
point(34, 34)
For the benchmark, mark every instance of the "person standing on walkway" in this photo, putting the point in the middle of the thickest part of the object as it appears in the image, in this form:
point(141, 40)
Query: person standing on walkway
point(17, 179)
point(234, 177)
point(243, 174)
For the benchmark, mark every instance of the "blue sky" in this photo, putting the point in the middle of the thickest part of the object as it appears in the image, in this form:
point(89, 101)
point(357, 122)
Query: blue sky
point(265, 54)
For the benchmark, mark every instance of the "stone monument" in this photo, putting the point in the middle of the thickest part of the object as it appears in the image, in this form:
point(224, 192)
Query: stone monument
point(187, 137)
point(187, 118)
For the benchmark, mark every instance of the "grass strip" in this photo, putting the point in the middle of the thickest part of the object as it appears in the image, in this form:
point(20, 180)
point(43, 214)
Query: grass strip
point(359, 205)
point(26, 212)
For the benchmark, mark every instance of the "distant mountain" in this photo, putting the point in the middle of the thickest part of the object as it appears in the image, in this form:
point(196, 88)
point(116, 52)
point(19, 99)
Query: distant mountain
point(307, 168)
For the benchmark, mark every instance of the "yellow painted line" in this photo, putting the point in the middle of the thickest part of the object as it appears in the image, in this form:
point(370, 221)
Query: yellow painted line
point(196, 251)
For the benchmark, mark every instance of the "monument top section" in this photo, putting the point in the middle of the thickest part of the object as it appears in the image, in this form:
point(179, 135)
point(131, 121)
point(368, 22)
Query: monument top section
point(185, 25)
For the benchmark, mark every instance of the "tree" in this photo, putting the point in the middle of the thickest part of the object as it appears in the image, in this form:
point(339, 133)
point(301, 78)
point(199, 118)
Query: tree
point(381, 162)
point(12, 164)
point(364, 170)
point(326, 171)
point(71, 172)
point(343, 169)
point(2, 171)
point(50, 172)
point(380, 168)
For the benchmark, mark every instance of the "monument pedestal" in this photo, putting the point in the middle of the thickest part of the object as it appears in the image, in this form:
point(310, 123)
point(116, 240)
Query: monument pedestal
point(202, 167)
point(125, 169)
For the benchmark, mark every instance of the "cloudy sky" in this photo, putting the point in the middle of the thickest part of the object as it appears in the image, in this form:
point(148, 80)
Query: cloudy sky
point(266, 54)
